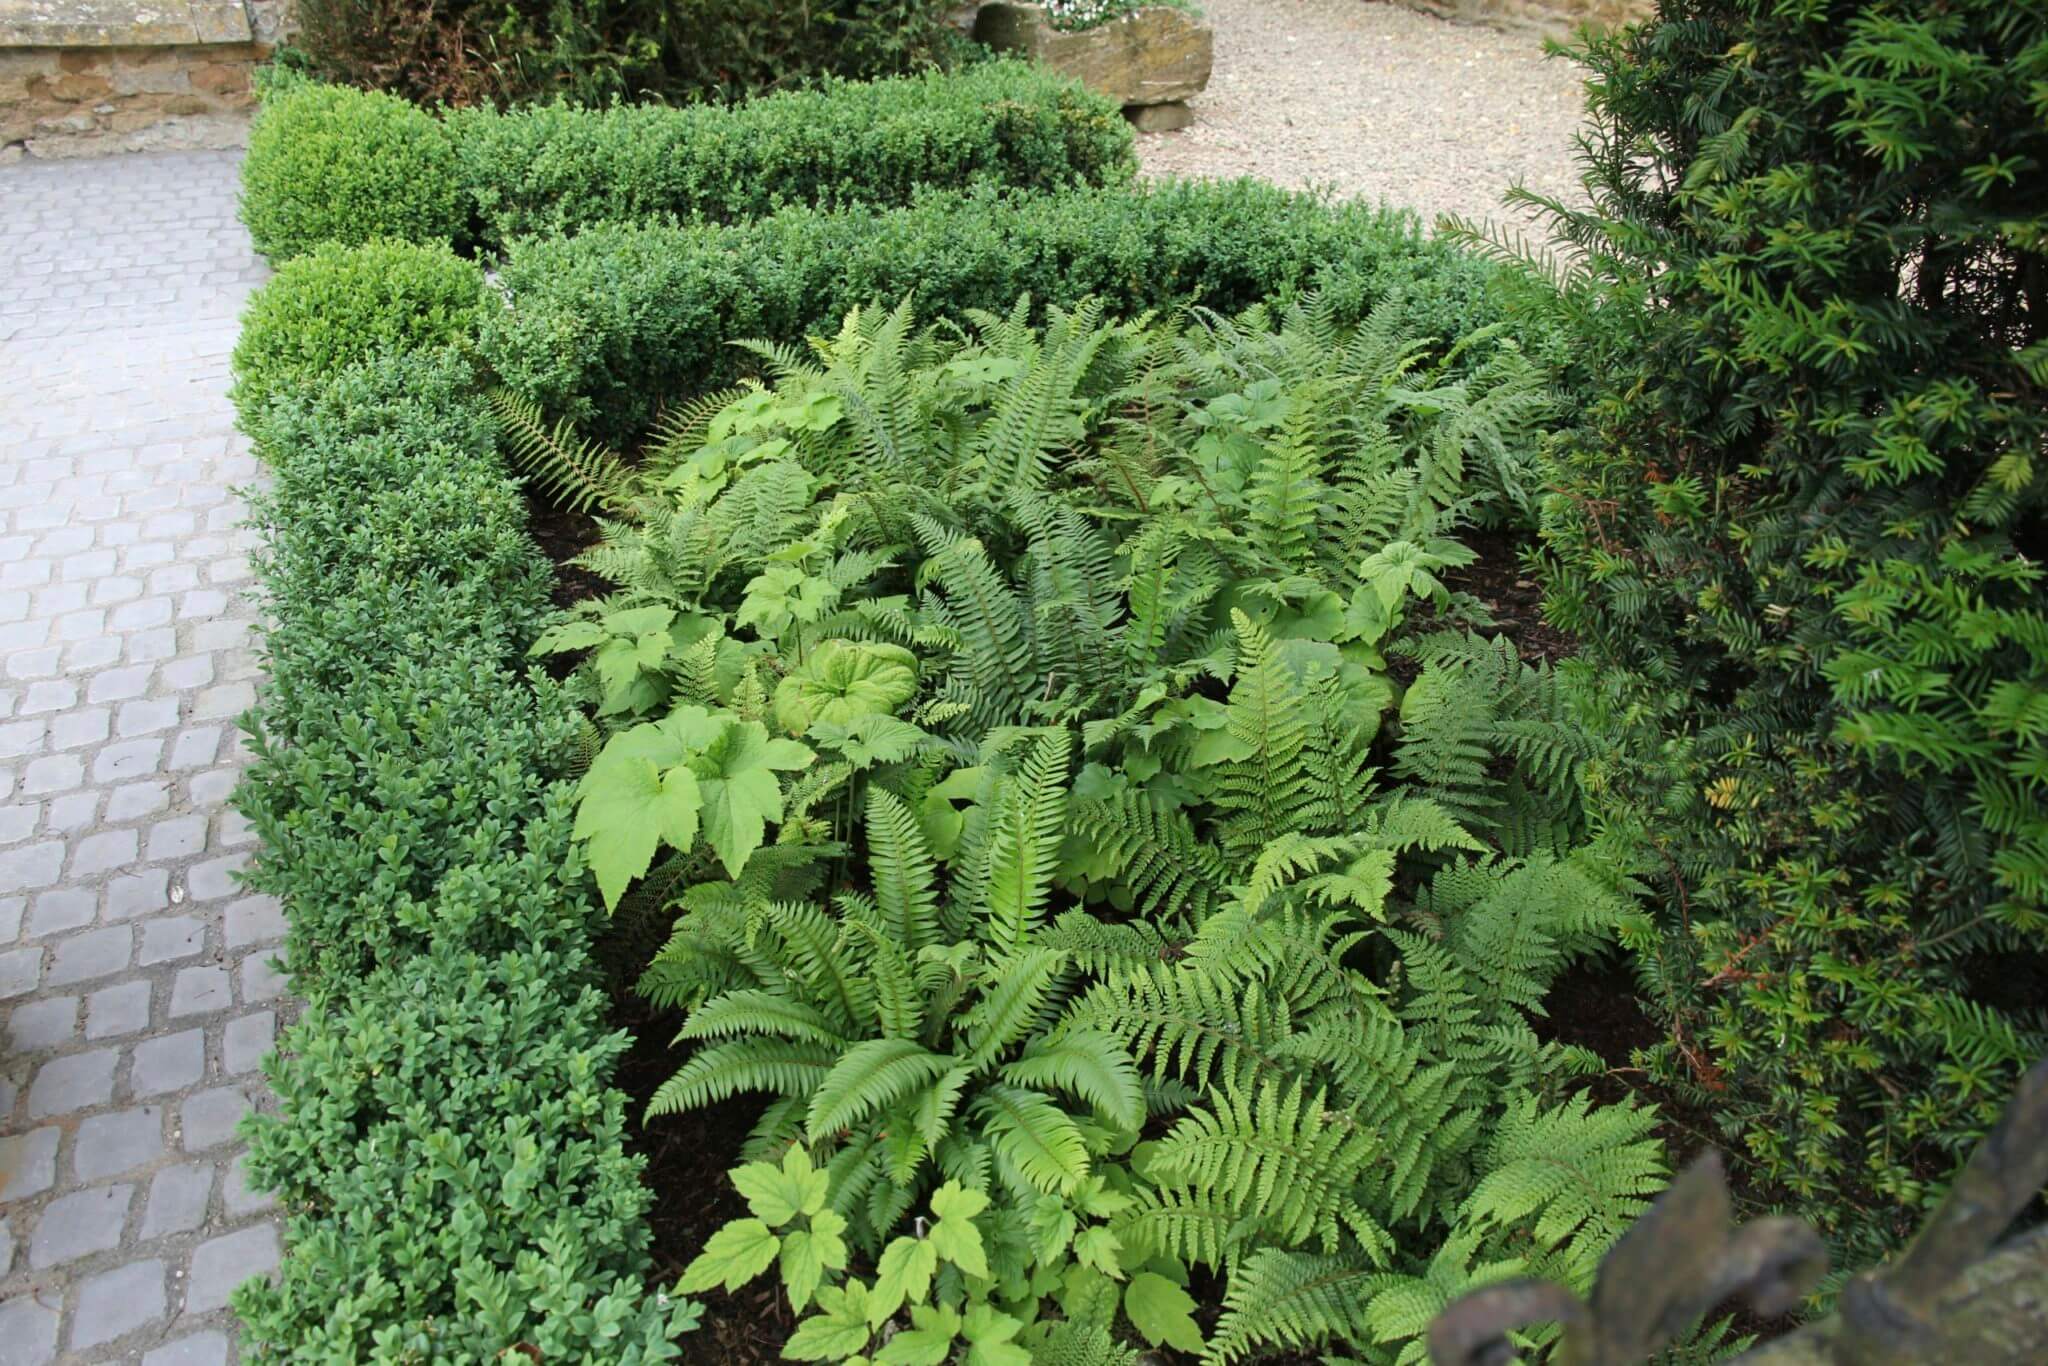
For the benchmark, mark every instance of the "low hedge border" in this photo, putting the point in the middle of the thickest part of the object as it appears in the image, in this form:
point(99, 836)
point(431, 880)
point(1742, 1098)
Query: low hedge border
point(332, 164)
point(449, 1150)
point(604, 327)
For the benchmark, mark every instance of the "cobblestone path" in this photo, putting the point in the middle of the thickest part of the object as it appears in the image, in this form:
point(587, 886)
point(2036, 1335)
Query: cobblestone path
point(135, 983)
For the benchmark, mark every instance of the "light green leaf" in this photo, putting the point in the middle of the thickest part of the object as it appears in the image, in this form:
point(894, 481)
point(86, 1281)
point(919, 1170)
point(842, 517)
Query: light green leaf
point(615, 817)
point(1098, 1247)
point(954, 1236)
point(805, 1256)
point(903, 1276)
point(842, 680)
point(769, 1194)
point(731, 1257)
point(736, 776)
point(570, 635)
point(1162, 1311)
point(989, 1332)
point(927, 1342)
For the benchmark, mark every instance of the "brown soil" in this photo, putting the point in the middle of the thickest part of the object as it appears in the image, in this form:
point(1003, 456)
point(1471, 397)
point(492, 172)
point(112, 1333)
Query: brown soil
point(562, 535)
point(687, 1159)
point(1498, 579)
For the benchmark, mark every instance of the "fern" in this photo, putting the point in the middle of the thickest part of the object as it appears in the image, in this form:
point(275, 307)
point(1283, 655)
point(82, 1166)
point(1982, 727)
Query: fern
point(579, 475)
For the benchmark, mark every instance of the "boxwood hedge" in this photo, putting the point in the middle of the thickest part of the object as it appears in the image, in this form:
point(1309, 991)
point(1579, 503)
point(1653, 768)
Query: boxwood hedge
point(349, 166)
point(449, 1148)
point(606, 326)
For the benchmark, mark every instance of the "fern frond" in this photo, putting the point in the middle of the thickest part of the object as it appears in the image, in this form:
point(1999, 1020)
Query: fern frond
point(578, 474)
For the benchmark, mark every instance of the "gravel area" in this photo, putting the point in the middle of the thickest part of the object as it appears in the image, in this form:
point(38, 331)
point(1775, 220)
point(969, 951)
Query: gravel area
point(1376, 101)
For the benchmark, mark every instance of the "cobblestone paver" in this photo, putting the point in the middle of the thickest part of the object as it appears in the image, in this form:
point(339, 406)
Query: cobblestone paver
point(135, 983)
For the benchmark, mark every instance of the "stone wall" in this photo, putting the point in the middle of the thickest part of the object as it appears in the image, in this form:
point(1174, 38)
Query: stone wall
point(1556, 18)
point(80, 77)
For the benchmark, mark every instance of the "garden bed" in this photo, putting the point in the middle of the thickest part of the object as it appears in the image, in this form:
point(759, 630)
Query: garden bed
point(1052, 715)
point(367, 367)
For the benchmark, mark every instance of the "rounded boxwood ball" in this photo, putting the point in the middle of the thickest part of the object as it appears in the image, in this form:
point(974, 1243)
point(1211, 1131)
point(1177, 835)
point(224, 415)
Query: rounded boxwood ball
point(330, 164)
point(341, 304)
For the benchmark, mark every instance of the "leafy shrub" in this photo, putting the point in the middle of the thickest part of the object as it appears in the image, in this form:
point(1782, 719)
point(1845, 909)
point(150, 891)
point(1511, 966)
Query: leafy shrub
point(605, 327)
point(465, 53)
point(448, 1147)
point(1009, 717)
point(328, 164)
point(481, 177)
point(340, 304)
point(554, 168)
point(1802, 541)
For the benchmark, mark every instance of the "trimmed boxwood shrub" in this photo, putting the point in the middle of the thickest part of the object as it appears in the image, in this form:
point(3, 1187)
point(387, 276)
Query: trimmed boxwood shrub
point(559, 169)
point(340, 304)
point(329, 164)
point(449, 1149)
point(606, 326)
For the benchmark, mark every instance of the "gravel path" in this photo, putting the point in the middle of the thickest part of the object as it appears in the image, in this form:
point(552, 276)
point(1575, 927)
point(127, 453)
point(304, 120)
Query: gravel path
point(1379, 102)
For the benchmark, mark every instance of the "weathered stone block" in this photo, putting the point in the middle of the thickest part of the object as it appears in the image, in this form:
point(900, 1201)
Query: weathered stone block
point(1153, 56)
point(76, 88)
point(1159, 118)
point(220, 78)
point(122, 23)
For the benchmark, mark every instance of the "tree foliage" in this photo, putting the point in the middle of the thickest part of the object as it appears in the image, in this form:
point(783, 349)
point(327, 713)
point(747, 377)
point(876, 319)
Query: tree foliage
point(1801, 536)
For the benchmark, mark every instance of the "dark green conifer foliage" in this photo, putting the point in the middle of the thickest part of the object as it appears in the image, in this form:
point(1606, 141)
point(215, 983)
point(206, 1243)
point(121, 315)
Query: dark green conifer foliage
point(1801, 538)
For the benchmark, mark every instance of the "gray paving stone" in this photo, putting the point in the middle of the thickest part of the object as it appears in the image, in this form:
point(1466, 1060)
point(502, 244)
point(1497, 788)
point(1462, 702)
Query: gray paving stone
point(43, 1024)
point(200, 991)
point(133, 800)
point(118, 685)
point(28, 1163)
point(51, 773)
point(21, 970)
point(167, 939)
point(178, 837)
point(110, 1144)
point(103, 852)
point(79, 1224)
point(11, 910)
point(77, 1081)
point(146, 716)
point(262, 979)
point(215, 877)
point(28, 1331)
point(62, 908)
point(18, 822)
point(254, 920)
point(213, 787)
point(195, 747)
point(93, 954)
point(133, 894)
point(177, 1200)
point(221, 1264)
point(200, 1349)
point(208, 1118)
point(238, 1197)
point(169, 1062)
point(32, 866)
point(126, 759)
point(113, 1011)
point(245, 1040)
point(73, 811)
point(116, 1303)
point(6, 1247)
point(86, 726)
